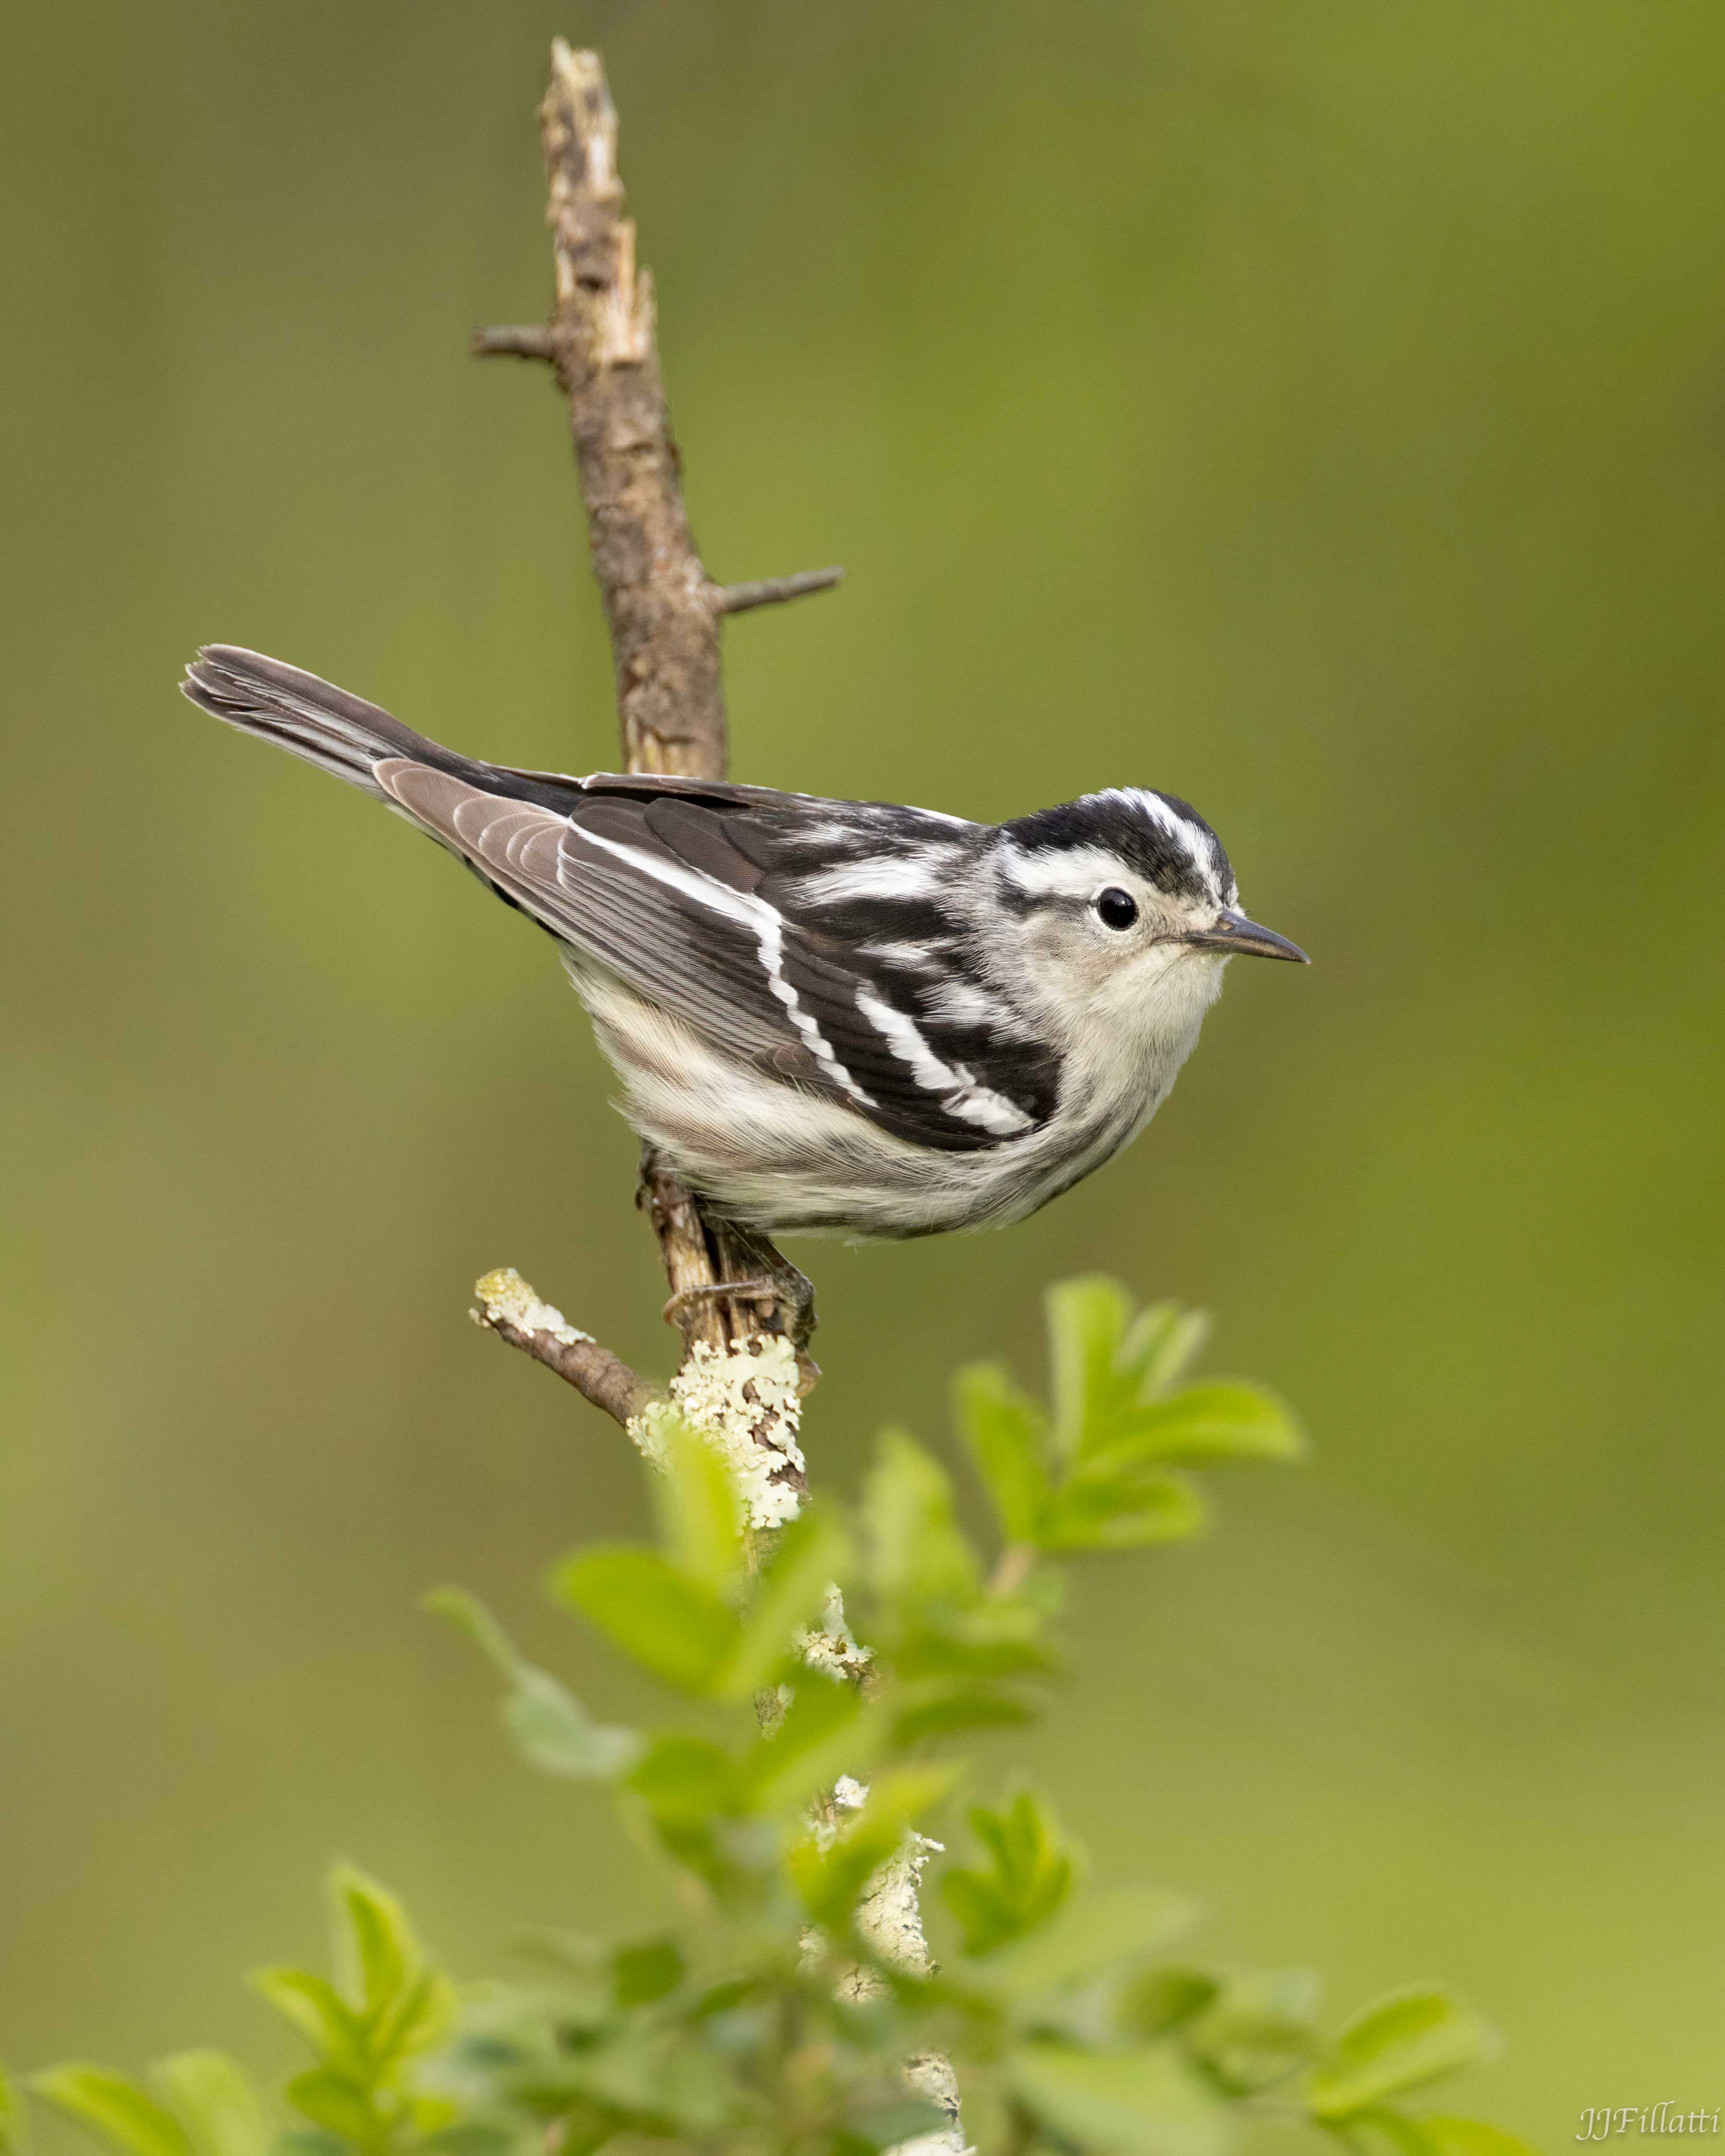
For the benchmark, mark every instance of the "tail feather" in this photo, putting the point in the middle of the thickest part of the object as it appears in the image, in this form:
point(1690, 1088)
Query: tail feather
point(308, 717)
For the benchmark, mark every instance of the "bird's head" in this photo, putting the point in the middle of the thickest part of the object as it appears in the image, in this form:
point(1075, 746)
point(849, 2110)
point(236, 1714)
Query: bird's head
point(1124, 892)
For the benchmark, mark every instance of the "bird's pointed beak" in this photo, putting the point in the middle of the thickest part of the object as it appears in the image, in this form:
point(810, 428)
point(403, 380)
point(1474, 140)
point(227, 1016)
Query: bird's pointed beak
point(1242, 938)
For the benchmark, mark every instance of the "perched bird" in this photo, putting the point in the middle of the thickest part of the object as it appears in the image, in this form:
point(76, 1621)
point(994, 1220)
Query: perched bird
point(830, 1016)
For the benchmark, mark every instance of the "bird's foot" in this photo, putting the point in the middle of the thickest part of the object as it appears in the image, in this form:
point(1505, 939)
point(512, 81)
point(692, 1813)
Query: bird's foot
point(784, 1291)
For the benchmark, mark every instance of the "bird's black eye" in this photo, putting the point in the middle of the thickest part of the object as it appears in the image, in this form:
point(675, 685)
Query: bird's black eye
point(1116, 908)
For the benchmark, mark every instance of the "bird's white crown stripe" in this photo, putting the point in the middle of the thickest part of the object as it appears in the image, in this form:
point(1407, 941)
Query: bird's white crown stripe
point(1198, 843)
point(754, 913)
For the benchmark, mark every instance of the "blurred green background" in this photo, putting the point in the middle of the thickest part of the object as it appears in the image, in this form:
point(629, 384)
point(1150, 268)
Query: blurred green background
point(1318, 410)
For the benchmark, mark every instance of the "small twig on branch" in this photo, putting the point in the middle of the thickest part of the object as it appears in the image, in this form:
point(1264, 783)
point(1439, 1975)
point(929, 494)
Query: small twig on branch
point(520, 339)
point(770, 591)
point(511, 1309)
point(1017, 1562)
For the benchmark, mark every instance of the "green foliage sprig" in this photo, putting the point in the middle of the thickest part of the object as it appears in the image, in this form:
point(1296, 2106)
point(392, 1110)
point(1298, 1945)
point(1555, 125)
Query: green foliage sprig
point(779, 2019)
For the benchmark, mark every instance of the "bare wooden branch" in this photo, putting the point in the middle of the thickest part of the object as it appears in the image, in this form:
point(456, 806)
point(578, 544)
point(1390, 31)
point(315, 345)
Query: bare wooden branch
point(664, 636)
point(772, 591)
point(664, 613)
point(658, 597)
point(511, 1309)
point(520, 339)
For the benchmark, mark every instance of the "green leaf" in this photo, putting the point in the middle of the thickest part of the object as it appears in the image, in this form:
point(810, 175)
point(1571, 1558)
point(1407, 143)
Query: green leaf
point(825, 1732)
point(1400, 2043)
point(891, 2122)
point(1007, 1436)
point(970, 1652)
point(1470, 2137)
point(554, 1733)
point(1109, 1366)
point(219, 2105)
point(918, 1554)
point(1087, 1320)
point(113, 2108)
point(1137, 2102)
point(662, 2080)
point(375, 1946)
point(1098, 1932)
point(671, 1625)
point(984, 1920)
point(476, 2136)
point(831, 1879)
point(549, 1726)
point(583, 1951)
point(1161, 1999)
point(586, 1993)
point(1126, 1510)
point(686, 1778)
point(420, 2017)
point(1379, 2131)
point(1258, 2031)
point(1207, 1426)
point(647, 1972)
point(1029, 1878)
point(336, 2104)
point(14, 2122)
point(944, 1710)
point(700, 1517)
point(1160, 1343)
point(310, 2141)
point(318, 2011)
point(808, 1556)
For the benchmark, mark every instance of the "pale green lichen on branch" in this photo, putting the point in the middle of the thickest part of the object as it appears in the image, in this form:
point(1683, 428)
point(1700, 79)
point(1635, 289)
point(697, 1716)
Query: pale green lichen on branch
point(747, 1400)
point(506, 1298)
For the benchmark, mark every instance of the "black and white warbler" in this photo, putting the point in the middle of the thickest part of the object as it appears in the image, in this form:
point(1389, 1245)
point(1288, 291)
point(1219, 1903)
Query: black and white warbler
point(829, 1016)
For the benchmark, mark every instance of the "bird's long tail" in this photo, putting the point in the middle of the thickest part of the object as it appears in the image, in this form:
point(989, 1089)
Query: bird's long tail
point(308, 717)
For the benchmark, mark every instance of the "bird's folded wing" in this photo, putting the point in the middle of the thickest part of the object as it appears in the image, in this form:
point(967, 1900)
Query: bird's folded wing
point(658, 889)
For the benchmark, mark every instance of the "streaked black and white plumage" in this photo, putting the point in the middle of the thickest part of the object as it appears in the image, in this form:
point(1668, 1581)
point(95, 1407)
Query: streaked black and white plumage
point(830, 1016)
